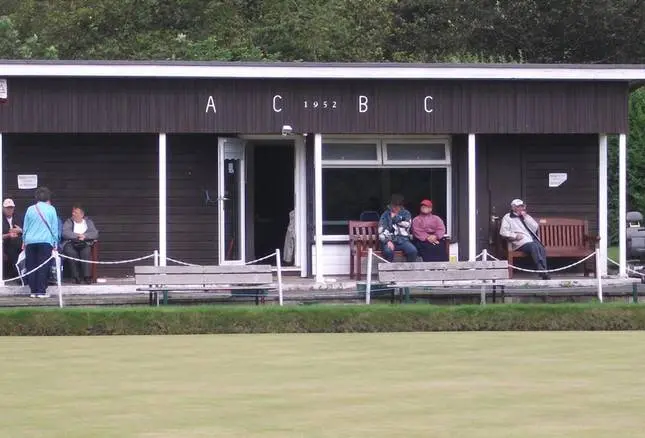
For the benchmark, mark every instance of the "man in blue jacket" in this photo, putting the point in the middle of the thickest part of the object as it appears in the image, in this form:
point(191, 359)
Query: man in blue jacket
point(394, 230)
point(41, 237)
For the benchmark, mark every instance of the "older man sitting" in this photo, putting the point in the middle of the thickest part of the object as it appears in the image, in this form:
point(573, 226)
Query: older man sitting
point(522, 231)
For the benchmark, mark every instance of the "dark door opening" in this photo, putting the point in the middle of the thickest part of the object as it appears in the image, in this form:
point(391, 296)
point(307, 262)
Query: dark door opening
point(274, 197)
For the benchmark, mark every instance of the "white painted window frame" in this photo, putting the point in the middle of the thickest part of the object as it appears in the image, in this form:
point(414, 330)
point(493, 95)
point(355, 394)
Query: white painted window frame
point(353, 163)
point(445, 141)
point(382, 142)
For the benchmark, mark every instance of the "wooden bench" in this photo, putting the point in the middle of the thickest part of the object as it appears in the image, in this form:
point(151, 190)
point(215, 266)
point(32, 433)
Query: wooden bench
point(253, 281)
point(363, 235)
point(562, 238)
point(95, 258)
point(406, 275)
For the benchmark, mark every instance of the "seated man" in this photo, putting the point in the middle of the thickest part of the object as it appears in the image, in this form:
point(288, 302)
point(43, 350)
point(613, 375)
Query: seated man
point(428, 230)
point(521, 230)
point(12, 239)
point(394, 231)
point(79, 234)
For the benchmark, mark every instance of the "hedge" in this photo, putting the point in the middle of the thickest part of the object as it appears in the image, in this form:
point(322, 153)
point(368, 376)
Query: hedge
point(317, 319)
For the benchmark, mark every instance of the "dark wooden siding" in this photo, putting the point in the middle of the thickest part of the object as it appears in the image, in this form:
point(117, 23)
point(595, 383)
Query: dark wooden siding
point(114, 176)
point(192, 220)
point(578, 196)
point(246, 106)
point(518, 166)
point(460, 193)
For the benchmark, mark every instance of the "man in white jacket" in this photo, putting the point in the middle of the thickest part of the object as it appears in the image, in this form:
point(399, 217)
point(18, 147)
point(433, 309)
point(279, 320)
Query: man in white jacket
point(519, 228)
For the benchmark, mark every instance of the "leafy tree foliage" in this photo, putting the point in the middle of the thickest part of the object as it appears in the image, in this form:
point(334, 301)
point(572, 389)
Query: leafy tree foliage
point(538, 31)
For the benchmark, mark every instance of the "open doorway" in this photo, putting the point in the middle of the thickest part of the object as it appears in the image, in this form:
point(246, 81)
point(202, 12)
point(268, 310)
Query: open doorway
point(272, 185)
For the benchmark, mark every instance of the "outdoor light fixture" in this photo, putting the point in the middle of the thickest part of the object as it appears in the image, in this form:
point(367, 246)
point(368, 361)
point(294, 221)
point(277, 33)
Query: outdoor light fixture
point(287, 130)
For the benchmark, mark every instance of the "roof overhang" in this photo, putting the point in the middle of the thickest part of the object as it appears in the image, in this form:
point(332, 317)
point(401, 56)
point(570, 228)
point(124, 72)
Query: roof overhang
point(213, 70)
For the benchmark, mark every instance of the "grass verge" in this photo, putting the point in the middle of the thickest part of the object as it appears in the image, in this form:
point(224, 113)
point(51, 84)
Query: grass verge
point(318, 319)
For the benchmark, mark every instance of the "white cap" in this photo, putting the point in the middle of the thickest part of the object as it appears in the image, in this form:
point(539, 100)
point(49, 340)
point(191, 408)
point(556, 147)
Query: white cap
point(516, 202)
point(8, 203)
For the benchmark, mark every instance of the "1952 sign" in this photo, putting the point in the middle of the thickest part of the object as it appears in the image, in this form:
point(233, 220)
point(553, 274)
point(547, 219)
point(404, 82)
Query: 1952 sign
point(324, 104)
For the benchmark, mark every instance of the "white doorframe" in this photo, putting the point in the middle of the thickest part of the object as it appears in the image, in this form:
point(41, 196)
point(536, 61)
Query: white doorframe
point(234, 148)
point(299, 192)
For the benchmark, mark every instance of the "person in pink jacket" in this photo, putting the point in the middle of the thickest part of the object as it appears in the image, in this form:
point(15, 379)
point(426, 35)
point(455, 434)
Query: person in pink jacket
point(428, 230)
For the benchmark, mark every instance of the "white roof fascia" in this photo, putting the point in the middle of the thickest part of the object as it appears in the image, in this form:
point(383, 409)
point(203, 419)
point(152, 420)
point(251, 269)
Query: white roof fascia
point(277, 71)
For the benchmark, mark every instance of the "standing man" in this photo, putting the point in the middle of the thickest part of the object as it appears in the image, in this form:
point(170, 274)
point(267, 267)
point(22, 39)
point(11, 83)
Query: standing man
point(41, 237)
point(11, 239)
point(522, 231)
point(394, 230)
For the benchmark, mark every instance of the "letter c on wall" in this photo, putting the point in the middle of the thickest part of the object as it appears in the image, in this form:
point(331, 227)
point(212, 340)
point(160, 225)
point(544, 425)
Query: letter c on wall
point(427, 104)
point(275, 103)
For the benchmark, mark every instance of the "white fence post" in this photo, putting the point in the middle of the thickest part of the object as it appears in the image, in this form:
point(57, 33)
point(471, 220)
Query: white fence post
point(483, 287)
point(156, 257)
point(368, 283)
point(279, 269)
point(59, 281)
point(599, 274)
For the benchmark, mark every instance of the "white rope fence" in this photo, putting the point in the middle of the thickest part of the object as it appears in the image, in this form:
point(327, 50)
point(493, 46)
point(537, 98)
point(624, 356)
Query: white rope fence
point(19, 277)
point(117, 262)
point(179, 262)
point(545, 271)
point(613, 262)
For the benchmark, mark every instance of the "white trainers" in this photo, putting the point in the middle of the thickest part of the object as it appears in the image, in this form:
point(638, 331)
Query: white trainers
point(39, 295)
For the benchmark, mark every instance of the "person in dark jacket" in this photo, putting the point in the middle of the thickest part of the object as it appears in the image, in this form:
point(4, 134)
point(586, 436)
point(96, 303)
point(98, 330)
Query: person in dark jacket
point(11, 238)
point(79, 234)
point(394, 230)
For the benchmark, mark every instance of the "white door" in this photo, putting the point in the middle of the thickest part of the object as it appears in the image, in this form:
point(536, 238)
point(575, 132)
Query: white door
point(230, 196)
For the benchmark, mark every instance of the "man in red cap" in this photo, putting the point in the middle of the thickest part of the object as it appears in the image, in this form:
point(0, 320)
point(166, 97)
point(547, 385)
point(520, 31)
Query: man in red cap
point(428, 230)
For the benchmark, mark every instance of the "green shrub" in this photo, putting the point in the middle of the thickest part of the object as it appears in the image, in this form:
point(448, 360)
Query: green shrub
point(317, 319)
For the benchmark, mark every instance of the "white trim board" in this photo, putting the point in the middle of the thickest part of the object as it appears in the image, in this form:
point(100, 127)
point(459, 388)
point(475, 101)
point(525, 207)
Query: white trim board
point(124, 69)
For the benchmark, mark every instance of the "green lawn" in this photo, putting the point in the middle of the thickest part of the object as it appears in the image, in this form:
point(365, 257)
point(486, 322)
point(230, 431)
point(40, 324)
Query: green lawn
point(613, 253)
point(555, 384)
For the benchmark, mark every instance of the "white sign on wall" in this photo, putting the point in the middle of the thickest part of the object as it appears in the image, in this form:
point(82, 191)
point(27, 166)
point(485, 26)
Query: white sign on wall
point(557, 179)
point(26, 182)
point(3, 89)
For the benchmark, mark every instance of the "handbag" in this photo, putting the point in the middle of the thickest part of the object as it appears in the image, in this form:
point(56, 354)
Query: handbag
point(79, 244)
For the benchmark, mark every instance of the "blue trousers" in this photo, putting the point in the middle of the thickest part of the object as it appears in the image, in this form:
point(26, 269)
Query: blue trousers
point(537, 253)
point(406, 246)
point(35, 254)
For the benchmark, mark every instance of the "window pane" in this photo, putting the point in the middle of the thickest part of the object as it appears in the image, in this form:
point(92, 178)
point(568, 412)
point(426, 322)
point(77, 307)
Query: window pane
point(349, 193)
point(416, 151)
point(349, 151)
point(346, 194)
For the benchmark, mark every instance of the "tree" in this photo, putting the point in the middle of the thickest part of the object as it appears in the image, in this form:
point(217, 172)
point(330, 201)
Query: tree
point(635, 164)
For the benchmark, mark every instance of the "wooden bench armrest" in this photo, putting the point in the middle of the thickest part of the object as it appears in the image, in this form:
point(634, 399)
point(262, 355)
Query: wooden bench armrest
point(592, 238)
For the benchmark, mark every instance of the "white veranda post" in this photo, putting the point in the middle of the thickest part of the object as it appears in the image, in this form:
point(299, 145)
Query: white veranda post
point(622, 203)
point(472, 199)
point(318, 205)
point(602, 204)
point(163, 220)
